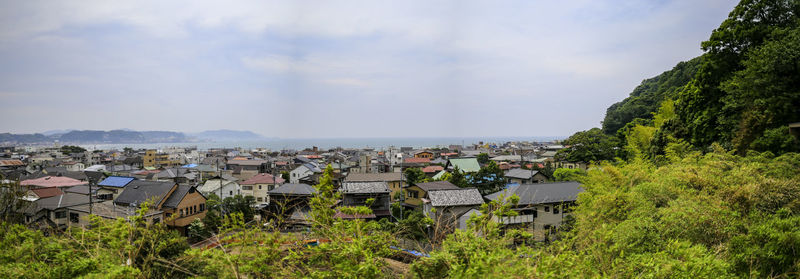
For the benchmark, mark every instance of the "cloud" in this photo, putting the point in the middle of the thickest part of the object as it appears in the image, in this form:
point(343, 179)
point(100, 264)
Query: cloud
point(281, 68)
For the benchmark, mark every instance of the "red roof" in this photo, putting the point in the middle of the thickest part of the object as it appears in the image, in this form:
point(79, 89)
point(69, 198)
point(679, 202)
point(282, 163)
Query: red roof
point(430, 169)
point(262, 178)
point(47, 192)
point(417, 160)
point(5, 163)
point(313, 156)
point(52, 181)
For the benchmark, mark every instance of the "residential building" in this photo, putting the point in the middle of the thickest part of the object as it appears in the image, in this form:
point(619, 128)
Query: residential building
point(466, 165)
point(393, 179)
point(153, 158)
point(445, 207)
point(541, 207)
point(303, 171)
point(222, 187)
point(290, 203)
point(523, 176)
point(259, 186)
point(358, 193)
point(112, 186)
point(416, 193)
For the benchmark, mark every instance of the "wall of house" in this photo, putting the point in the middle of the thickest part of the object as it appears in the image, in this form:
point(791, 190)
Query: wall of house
point(395, 187)
point(193, 206)
point(382, 201)
point(259, 191)
point(410, 199)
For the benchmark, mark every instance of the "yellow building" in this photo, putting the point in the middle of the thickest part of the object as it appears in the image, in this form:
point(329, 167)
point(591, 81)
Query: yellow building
point(154, 159)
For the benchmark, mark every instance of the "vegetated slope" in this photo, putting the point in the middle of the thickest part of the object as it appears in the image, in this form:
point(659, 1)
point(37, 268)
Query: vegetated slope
point(743, 91)
point(647, 97)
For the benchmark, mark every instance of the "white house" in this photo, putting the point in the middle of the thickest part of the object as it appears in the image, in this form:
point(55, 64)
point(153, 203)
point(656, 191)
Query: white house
point(229, 188)
point(303, 171)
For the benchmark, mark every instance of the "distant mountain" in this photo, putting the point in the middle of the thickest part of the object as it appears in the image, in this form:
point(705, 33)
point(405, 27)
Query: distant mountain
point(55, 132)
point(227, 135)
point(24, 138)
point(125, 136)
point(164, 136)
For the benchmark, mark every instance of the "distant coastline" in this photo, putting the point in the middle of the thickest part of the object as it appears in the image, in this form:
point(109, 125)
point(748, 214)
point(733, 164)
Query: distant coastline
point(327, 143)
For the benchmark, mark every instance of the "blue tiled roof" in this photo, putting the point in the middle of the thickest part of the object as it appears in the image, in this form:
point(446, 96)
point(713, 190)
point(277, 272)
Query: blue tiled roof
point(116, 181)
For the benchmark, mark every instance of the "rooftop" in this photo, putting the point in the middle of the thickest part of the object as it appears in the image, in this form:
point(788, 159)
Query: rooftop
point(455, 197)
point(542, 192)
point(364, 187)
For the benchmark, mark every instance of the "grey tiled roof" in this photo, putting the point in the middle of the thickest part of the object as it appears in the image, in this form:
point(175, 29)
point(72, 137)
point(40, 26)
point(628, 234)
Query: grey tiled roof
point(139, 191)
point(364, 187)
point(459, 197)
point(542, 192)
point(521, 173)
point(177, 196)
point(294, 189)
point(437, 185)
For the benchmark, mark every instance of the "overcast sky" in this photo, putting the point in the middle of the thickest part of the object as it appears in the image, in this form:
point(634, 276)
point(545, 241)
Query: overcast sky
point(321, 69)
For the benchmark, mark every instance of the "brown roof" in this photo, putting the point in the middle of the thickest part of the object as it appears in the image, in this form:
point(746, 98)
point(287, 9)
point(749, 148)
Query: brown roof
point(47, 192)
point(6, 163)
point(262, 178)
point(52, 181)
point(416, 160)
point(431, 169)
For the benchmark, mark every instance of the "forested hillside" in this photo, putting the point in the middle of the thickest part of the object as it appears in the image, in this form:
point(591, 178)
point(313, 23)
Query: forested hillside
point(647, 97)
point(742, 93)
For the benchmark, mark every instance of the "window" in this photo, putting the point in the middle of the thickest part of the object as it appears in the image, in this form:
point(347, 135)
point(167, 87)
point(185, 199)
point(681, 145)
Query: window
point(555, 209)
point(260, 199)
point(247, 187)
point(202, 207)
point(181, 212)
point(231, 193)
point(74, 217)
point(546, 209)
point(194, 208)
point(259, 187)
point(61, 214)
point(413, 194)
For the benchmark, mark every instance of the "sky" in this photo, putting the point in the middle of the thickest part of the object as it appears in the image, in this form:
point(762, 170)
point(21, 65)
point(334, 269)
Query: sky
point(322, 69)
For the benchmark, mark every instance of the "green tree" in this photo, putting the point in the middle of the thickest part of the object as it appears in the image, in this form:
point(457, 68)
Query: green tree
point(69, 149)
point(239, 204)
point(589, 146)
point(213, 218)
point(488, 179)
point(458, 178)
point(483, 158)
point(323, 201)
point(564, 174)
point(414, 176)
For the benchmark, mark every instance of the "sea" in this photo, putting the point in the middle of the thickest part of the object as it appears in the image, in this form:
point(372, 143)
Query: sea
point(329, 143)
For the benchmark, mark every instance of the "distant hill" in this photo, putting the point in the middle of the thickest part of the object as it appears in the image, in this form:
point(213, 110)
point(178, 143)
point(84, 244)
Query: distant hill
point(227, 135)
point(24, 138)
point(55, 132)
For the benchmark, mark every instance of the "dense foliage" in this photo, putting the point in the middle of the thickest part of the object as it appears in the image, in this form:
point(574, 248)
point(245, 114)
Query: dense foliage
point(589, 146)
point(647, 97)
point(742, 93)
